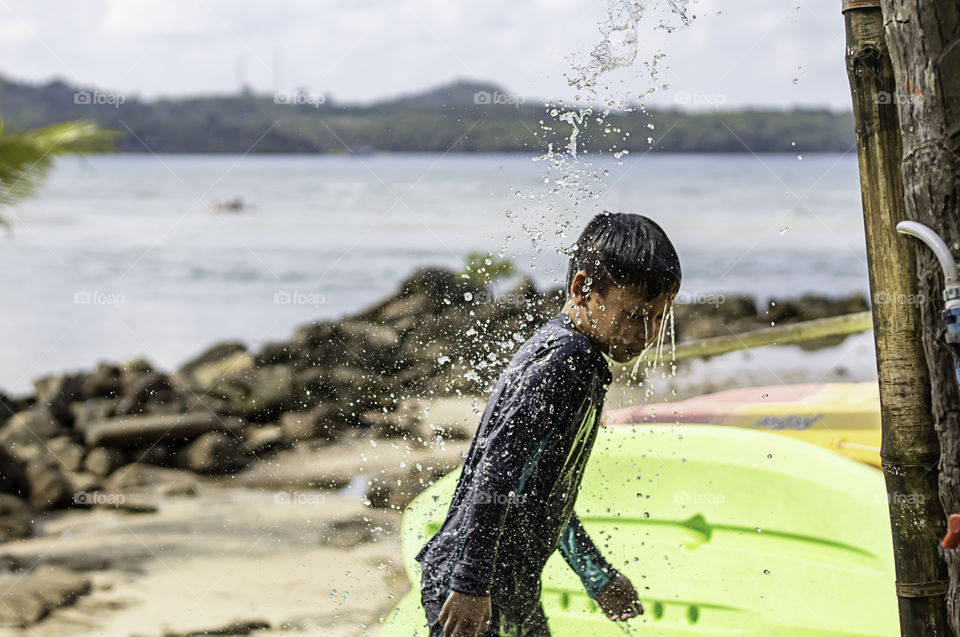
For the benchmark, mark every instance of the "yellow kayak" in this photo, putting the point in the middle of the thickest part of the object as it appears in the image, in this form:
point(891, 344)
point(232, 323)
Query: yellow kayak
point(842, 417)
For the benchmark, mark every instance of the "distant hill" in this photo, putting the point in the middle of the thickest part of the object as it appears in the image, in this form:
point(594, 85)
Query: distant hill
point(462, 116)
point(449, 96)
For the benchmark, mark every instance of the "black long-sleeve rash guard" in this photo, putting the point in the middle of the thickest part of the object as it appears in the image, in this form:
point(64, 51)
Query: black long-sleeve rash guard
point(513, 504)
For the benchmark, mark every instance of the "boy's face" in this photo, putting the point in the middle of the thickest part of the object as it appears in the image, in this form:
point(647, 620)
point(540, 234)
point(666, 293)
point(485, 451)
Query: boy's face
point(621, 319)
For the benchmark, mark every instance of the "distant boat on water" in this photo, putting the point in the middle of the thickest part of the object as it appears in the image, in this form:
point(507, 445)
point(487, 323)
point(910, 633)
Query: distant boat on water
point(231, 205)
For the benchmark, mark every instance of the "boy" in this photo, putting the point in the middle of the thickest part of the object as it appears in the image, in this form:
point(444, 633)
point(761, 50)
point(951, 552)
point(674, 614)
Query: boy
point(513, 505)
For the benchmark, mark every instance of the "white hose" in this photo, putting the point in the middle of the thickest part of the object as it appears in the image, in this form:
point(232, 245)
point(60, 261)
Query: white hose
point(936, 244)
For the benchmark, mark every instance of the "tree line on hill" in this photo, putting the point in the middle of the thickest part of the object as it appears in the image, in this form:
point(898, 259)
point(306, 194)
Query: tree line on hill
point(458, 117)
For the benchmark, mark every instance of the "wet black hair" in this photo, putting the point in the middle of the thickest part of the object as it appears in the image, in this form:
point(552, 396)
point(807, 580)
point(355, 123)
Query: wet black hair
point(625, 249)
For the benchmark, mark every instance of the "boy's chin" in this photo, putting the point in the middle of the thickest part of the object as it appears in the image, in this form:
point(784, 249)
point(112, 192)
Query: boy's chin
point(621, 356)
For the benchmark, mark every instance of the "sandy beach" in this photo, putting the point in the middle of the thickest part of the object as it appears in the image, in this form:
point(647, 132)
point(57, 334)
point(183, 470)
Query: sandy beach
point(242, 551)
point(267, 551)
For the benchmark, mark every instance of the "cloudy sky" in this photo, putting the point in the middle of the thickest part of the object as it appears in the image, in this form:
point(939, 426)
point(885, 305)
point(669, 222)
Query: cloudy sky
point(735, 53)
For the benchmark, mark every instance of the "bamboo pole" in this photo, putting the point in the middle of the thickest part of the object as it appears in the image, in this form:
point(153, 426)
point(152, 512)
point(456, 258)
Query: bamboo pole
point(781, 335)
point(790, 334)
point(909, 449)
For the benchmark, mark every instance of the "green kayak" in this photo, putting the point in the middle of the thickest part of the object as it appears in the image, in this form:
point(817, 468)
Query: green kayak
point(723, 531)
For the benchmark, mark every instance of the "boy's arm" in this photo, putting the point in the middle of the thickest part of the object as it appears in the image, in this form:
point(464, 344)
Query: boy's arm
point(585, 558)
point(609, 588)
point(612, 591)
point(524, 417)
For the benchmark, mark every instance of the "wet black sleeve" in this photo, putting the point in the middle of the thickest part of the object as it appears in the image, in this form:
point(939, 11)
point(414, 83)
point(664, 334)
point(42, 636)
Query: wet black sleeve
point(585, 558)
point(535, 404)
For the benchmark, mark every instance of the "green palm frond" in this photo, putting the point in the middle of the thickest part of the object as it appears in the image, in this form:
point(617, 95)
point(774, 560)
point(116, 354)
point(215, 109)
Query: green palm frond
point(26, 157)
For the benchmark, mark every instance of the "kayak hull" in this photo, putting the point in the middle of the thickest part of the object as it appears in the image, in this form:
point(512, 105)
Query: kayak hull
point(842, 417)
point(722, 530)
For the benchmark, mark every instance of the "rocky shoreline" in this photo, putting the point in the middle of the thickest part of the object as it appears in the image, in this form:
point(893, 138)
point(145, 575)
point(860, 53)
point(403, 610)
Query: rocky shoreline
point(122, 435)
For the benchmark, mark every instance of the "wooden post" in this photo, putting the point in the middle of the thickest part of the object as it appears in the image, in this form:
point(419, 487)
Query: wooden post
point(924, 41)
point(909, 450)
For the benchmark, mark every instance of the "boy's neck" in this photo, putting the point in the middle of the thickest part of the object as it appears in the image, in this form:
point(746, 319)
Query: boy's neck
point(578, 320)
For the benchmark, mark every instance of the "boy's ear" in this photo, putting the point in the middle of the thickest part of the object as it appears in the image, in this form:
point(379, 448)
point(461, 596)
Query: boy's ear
point(576, 291)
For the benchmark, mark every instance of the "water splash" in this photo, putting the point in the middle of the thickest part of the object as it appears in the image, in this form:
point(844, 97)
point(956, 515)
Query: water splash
point(654, 358)
point(621, 34)
point(573, 182)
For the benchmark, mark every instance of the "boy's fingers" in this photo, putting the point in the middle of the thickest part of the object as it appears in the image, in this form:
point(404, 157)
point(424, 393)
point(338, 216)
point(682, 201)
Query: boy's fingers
point(471, 628)
point(449, 628)
point(465, 628)
point(444, 616)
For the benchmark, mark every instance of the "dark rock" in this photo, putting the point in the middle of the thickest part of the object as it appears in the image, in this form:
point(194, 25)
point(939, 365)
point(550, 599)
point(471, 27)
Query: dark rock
point(366, 345)
point(150, 393)
point(67, 452)
point(26, 432)
point(208, 368)
point(379, 493)
point(144, 477)
point(395, 425)
point(311, 386)
point(104, 382)
point(205, 403)
point(213, 452)
point(813, 306)
point(22, 610)
point(323, 421)
point(39, 592)
point(47, 485)
point(55, 393)
point(258, 440)
point(102, 461)
point(244, 627)
point(314, 336)
point(131, 370)
point(403, 312)
point(12, 473)
point(16, 519)
point(442, 287)
point(347, 533)
point(213, 354)
point(259, 394)
point(359, 390)
point(81, 485)
point(131, 431)
point(77, 562)
point(274, 354)
point(430, 352)
point(130, 503)
point(91, 410)
point(138, 391)
point(156, 453)
point(8, 407)
point(414, 376)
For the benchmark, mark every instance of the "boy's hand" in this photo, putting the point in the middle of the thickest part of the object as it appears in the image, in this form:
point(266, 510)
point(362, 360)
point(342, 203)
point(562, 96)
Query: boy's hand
point(465, 615)
point(618, 599)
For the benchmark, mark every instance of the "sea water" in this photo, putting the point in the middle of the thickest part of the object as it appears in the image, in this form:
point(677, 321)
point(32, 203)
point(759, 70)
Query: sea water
point(120, 256)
